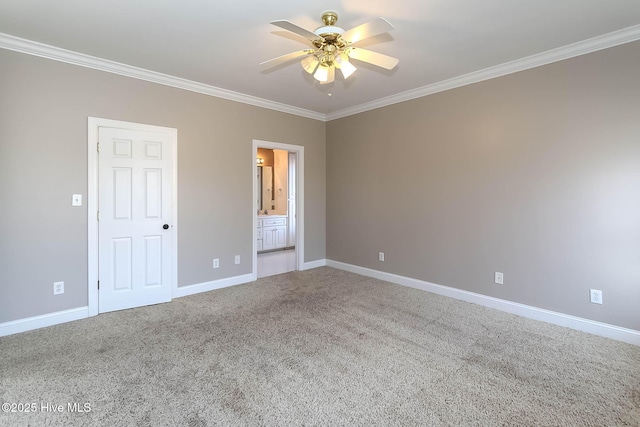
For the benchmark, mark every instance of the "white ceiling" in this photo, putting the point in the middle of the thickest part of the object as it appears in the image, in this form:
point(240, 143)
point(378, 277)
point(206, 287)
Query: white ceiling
point(220, 44)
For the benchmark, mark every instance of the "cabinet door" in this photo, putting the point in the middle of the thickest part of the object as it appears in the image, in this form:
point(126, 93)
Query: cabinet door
point(281, 236)
point(268, 238)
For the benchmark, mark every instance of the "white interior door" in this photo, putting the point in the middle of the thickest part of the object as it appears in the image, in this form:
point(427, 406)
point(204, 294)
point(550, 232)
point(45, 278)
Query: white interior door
point(135, 229)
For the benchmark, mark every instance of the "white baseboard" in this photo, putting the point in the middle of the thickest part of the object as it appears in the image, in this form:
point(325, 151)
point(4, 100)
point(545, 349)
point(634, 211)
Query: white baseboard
point(314, 264)
point(183, 291)
point(590, 326)
point(37, 322)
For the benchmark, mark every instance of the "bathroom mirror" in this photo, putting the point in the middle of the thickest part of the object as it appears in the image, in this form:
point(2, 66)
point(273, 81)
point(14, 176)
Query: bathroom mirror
point(272, 181)
point(265, 188)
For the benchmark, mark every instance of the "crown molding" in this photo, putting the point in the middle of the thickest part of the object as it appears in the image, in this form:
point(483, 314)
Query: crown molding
point(30, 47)
point(615, 38)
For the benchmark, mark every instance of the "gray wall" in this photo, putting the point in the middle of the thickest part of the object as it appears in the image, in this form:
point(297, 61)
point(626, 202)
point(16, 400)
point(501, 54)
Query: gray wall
point(44, 107)
point(535, 174)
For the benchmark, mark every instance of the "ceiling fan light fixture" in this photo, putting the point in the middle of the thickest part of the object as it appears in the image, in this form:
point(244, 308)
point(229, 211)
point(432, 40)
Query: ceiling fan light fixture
point(325, 73)
point(346, 67)
point(322, 73)
point(331, 75)
point(332, 48)
point(310, 63)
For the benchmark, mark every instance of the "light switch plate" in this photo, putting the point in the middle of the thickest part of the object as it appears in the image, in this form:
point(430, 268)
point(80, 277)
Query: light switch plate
point(76, 200)
point(499, 278)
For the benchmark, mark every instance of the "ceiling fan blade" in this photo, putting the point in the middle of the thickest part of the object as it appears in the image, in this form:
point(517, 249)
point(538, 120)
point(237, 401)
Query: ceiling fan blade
point(289, 26)
point(368, 29)
point(375, 58)
point(285, 58)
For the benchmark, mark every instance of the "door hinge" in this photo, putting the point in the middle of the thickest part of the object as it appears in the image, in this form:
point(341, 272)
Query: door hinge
point(98, 147)
point(98, 216)
point(98, 284)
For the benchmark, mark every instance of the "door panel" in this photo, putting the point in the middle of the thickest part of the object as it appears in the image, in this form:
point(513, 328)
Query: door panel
point(153, 261)
point(135, 192)
point(122, 193)
point(153, 193)
point(121, 264)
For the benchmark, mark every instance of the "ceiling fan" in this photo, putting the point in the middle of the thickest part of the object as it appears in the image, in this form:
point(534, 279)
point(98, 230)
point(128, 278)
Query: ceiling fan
point(333, 47)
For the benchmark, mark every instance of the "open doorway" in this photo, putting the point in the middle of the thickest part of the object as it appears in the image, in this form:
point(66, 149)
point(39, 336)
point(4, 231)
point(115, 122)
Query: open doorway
point(278, 194)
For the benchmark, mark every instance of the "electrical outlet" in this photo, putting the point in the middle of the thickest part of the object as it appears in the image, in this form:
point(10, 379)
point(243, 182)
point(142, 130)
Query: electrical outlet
point(380, 256)
point(58, 288)
point(596, 296)
point(237, 260)
point(499, 278)
point(216, 263)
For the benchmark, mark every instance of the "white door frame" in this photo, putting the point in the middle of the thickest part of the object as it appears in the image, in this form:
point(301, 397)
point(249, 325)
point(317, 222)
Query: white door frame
point(299, 150)
point(94, 124)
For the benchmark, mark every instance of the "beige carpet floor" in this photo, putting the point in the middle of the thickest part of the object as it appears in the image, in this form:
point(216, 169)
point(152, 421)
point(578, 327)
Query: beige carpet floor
point(321, 347)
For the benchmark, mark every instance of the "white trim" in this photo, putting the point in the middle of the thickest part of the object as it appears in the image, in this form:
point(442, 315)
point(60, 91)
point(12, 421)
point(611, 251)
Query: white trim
point(299, 150)
point(92, 209)
point(583, 47)
point(42, 321)
point(590, 326)
point(314, 264)
point(184, 291)
point(29, 47)
point(93, 124)
point(605, 41)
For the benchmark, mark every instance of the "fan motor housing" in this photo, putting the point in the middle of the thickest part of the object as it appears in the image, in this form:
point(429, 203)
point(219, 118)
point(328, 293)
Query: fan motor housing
point(329, 31)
